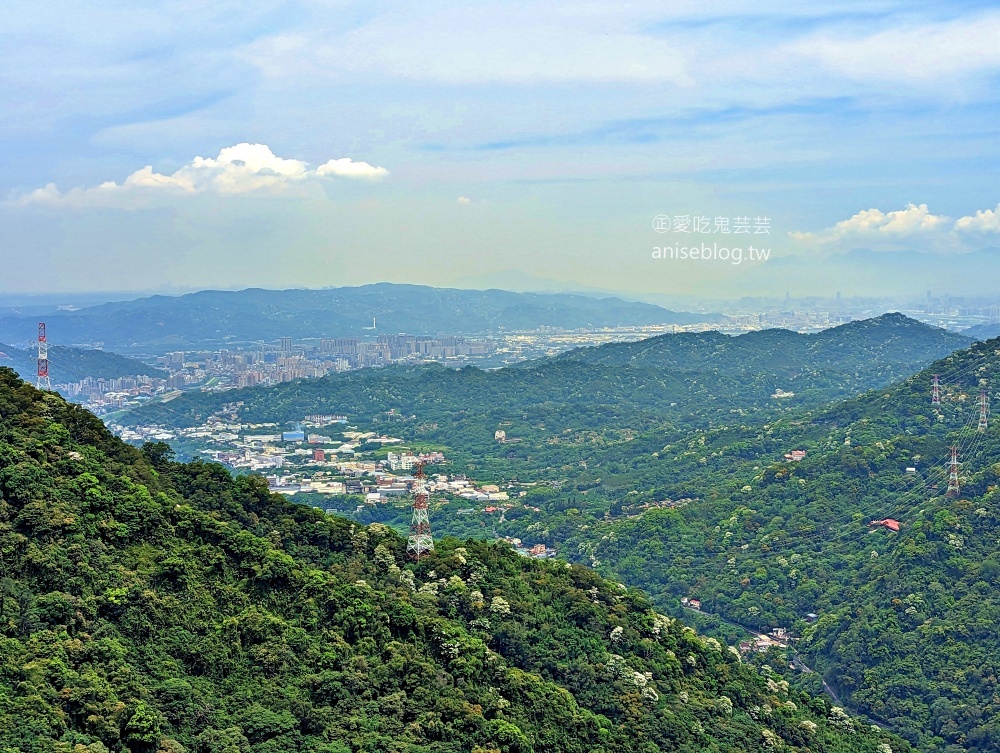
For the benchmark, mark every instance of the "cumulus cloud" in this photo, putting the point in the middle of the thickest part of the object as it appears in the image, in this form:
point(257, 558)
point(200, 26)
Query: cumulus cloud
point(983, 221)
point(240, 169)
point(464, 200)
point(914, 219)
point(914, 222)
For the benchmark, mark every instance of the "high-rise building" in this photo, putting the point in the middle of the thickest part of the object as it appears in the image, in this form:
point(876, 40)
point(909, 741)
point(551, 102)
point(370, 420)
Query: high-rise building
point(286, 345)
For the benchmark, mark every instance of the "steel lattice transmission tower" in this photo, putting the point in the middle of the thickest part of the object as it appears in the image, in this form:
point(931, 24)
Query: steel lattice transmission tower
point(43, 382)
point(984, 410)
point(953, 490)
point(420, 540)
point(936, 391)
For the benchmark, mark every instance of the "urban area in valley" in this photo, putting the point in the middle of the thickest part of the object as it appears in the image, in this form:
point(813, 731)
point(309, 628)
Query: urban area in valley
point(269, 363)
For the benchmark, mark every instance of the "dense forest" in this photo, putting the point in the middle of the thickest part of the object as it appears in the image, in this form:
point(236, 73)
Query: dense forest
point(907, 618)
point(148, 605)
point(906, 630)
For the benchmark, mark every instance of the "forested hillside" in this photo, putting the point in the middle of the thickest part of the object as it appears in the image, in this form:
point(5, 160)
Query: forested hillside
point(658, 484)
point(983, 331)
point(907, 626)
point(856, 355)
point(906, 629)
point(147, 605)
point(68, 365)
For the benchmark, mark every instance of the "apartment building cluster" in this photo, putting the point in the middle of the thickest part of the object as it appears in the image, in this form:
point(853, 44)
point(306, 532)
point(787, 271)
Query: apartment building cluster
point(360, 352)
point(227, 369)
point(102, 396)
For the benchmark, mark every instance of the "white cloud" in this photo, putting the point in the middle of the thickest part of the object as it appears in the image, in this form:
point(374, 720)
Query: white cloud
point(909, 53)
point(464, 200)
point(904, 227)
point(240, 169)
point(478, 43)
point(705, 52)
point(913, 220)
point(983, 221)
point(345, 167)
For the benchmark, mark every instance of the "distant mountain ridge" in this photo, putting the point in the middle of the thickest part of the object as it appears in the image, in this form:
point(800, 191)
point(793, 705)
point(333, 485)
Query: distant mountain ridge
point(983, 331)
point(911, 343)
point(219, 317)
point(67, 365)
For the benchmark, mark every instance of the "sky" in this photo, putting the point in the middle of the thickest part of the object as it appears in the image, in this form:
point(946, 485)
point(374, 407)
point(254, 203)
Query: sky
point(171, 146)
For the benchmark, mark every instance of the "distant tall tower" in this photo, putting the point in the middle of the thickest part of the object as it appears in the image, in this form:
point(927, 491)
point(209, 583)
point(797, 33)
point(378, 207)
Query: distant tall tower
point(43, 382)
point(984, 409)
point(936, 391)
point(953, 464)
point(420, 541)
point(286, 345)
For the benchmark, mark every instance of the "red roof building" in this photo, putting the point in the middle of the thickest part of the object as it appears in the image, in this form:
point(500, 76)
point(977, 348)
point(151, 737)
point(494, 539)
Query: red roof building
point(892, 525)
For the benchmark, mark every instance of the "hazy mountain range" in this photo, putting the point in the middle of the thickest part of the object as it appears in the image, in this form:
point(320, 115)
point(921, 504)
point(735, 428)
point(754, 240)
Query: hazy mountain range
point(220, 317)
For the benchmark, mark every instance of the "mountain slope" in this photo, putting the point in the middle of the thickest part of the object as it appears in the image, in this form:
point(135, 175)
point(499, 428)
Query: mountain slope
point(983, 331)
point(865, 353)
point(149, 606)
point(214, 316)
point(68, 365)
point(906, 631)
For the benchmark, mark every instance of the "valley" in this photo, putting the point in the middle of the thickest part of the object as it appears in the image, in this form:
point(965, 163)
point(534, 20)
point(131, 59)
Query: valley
point(760, 508)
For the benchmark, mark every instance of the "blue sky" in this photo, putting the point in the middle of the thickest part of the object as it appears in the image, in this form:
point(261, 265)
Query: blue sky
point(478, 142)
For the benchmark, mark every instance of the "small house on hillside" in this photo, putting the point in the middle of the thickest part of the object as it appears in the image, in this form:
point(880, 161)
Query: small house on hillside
point(892, 525)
